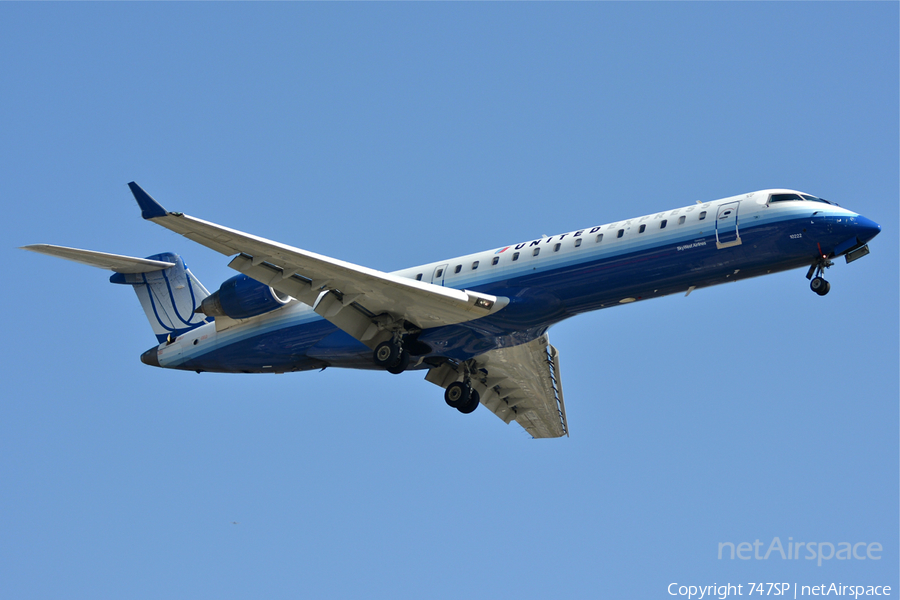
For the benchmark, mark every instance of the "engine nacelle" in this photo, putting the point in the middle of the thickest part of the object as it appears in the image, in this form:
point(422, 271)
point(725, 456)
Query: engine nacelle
point(241, 298)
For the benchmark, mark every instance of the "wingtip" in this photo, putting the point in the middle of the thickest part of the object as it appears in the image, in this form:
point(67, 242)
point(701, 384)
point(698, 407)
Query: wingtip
point(150, 208)
point(41, 248)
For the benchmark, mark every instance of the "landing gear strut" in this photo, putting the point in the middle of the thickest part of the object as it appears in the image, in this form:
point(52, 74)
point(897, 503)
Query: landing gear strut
point(818, 283)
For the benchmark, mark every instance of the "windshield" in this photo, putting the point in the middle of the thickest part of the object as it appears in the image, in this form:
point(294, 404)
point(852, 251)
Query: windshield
point(798, 197)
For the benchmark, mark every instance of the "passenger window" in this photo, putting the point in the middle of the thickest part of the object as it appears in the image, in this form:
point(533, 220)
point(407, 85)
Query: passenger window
point(458, 269)
point(495, 260)
point(536, 251)
point(621, 233)
point(419, 277)
point(642, 229)
point(557, 247)
point(702, 215)
point(662, 224)
point(599, 238)
point(515, 256)
point(577, 242)
point(474, 265)
point(439, 273)
point(681, 220)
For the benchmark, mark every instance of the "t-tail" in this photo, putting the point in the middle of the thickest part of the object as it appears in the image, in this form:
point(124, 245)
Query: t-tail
point(166, 288)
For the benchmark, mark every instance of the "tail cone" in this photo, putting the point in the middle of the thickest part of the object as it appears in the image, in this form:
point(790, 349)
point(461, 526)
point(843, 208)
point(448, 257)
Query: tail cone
point(150, 358)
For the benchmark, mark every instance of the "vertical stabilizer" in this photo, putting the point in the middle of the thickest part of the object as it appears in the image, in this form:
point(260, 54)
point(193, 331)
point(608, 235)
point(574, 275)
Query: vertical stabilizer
point(168, 296)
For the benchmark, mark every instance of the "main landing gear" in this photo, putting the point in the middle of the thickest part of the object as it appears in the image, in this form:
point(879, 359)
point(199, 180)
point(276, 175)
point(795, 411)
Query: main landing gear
point(462, 397)
point(392, 356)
point(818, 283)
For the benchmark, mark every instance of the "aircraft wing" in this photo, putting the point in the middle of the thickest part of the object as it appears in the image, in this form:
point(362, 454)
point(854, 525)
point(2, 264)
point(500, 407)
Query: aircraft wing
point(329, 285)
point(520, 384)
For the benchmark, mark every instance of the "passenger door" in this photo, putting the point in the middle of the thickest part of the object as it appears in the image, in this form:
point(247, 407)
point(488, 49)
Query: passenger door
point(727, 233)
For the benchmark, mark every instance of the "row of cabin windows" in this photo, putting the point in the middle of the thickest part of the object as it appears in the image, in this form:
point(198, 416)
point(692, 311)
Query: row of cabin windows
point(475, 265)
point(558, 245)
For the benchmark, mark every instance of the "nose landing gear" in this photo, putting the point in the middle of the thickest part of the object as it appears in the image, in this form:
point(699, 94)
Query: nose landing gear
point(819, 286)
point(818, 283)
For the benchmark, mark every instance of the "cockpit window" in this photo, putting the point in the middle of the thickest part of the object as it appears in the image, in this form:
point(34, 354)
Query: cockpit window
point(784, 197)
point(814, 199)
point(800, 197)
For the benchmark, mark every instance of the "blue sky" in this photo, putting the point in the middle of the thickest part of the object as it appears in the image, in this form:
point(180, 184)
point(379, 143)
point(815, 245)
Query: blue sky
point(398, 134)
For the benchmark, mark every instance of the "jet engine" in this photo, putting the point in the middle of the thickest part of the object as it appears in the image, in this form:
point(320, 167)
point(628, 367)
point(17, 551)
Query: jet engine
point(241, 298)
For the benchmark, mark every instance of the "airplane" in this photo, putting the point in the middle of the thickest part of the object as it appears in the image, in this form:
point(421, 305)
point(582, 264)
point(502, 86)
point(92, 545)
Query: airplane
point(476, 324)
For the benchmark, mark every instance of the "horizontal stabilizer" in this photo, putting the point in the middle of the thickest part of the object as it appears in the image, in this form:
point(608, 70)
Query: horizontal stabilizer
point(102, 260)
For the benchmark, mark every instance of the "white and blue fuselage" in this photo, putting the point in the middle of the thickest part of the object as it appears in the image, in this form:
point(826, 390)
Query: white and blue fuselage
point(550, 279)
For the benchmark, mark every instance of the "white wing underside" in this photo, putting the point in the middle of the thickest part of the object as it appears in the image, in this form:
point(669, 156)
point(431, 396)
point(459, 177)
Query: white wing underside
point(520, 384)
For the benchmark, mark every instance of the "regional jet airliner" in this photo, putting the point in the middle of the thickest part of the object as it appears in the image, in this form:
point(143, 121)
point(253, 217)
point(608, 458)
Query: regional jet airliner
point(476, 324)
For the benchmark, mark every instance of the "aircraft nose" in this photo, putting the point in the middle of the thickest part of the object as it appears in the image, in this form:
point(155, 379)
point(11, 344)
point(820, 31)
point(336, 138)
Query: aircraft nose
point(866, 229)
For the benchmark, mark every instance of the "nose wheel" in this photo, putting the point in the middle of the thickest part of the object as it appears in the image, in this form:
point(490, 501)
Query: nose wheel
point(816, 270)
point(820, 286)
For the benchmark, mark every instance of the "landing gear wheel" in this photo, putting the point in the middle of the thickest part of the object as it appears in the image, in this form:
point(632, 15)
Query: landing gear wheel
point(457, 394)
point(819, 286)
point(471, 405)
point(401, 365)
point(818, 283)
point(388, 354)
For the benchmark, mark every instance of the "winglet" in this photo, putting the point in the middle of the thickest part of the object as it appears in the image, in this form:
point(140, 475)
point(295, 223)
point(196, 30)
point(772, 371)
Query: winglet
point(150, 208)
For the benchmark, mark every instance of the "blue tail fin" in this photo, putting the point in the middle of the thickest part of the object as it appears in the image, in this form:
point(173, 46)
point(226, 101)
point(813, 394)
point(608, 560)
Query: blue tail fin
point(169, 296)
